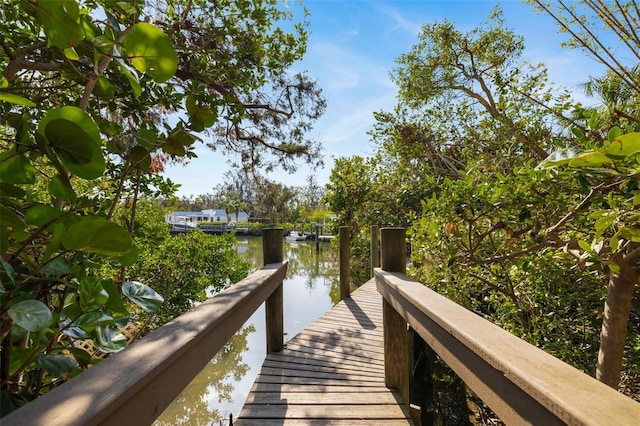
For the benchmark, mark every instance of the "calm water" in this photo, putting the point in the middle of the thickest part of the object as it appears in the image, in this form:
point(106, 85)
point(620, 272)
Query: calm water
point(311, 289)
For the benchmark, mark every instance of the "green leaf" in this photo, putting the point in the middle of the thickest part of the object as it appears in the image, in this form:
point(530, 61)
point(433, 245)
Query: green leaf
point(15, 99)
point(56, 365)
point(41, 214)
point(58, 266)
point(98, 235)
point(60, 22)
point(613, 133)
point(558, 157)
point(57, 231)
point(177, 142)
point(150, 51)
point(75, 137)
point(623, 145)
point(585, 246)
point(143, 296)
point(147, 138)
point(590, 159)
point(130, 258)
point(93, 319)
point(8, 219)
point(92, 294)
point(8, 269)
point(31, 315)
point(59, 187)
point(16, 168)
point(104, 89)
point(130, 75)
point(10, 401)
point(109, 340)
point(110, 128)
point(630, 233)
point(140, 158)
point(115, 300)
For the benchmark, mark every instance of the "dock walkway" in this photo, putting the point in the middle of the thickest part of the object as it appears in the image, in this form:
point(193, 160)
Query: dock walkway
point(332, 373)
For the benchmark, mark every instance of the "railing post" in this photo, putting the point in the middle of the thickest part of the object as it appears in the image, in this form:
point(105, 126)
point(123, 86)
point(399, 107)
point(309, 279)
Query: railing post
point(397, 362)
point(345, 266)
point(273, 252)
point(374, 257)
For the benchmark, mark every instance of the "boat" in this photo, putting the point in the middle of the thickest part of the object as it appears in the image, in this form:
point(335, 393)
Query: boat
point(295, 236)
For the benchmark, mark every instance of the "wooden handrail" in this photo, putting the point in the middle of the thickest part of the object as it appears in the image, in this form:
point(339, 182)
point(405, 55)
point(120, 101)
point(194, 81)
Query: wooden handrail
point(521, 383)
point(134, 386)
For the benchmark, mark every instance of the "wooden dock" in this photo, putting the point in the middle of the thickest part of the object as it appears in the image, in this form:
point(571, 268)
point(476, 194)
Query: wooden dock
point(332, 373)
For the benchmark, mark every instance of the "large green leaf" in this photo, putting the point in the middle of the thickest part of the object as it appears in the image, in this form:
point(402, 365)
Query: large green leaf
point(56, 365)
point(98, 235)
point(75, 137)
point(108, 339)
point(150, 51)
point(623, 145)
point(60, 22)
point(143, 296)
point(558, 157)
point(31, 315)
point(16, 168)
point(15, 99)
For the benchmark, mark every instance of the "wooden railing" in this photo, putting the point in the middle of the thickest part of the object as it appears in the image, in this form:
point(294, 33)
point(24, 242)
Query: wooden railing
point(134, 386)
point(519, 382)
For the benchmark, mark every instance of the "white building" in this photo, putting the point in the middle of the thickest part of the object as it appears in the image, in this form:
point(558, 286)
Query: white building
point(192, 219)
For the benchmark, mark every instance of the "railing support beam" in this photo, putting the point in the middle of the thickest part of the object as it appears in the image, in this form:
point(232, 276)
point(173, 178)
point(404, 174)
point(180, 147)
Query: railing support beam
point(345, 263)
point(273, 252)
point(397, 362)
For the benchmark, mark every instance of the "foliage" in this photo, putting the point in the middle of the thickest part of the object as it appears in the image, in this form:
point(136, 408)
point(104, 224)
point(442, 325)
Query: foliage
point(186, 269)
point(528, 247)
point(95, 97)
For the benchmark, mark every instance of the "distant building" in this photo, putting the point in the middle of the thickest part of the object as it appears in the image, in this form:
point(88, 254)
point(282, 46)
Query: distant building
point(192, 219)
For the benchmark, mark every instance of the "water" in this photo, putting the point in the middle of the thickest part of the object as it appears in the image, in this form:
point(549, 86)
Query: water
point(311, 289)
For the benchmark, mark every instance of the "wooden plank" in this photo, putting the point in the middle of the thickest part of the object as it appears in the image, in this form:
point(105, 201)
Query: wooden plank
point(323, 398)
point(330, 389)
point(311, 422)
point(335, 352)
point(379, 412)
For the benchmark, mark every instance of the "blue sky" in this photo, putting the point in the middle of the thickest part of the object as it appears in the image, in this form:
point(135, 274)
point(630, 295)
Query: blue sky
point(352, 48)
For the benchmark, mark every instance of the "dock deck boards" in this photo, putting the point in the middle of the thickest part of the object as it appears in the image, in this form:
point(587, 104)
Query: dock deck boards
point(332, 373)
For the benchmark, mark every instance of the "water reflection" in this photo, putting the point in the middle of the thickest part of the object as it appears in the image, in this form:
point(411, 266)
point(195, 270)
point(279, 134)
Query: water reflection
point(311, 288)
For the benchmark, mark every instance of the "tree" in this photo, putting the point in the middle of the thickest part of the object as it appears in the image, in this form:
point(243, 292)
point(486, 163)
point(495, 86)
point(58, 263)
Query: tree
point(588, 24)
point(93, 100)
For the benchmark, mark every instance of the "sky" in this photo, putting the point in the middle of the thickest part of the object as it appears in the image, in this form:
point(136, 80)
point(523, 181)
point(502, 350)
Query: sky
point(352, 48)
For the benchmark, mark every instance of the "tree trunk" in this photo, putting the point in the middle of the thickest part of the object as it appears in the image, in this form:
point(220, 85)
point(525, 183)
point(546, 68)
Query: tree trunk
point(615, 319)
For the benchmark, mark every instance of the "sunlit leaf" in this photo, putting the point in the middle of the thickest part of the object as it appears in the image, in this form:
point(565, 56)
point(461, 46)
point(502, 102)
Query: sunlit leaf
point(623, 145)
point(143, 296)
point(590, 159)
point(60, 22)
point(98, 235)
point(150, 51)
point(15, 99)
point(558, 157)
point(31, 315)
